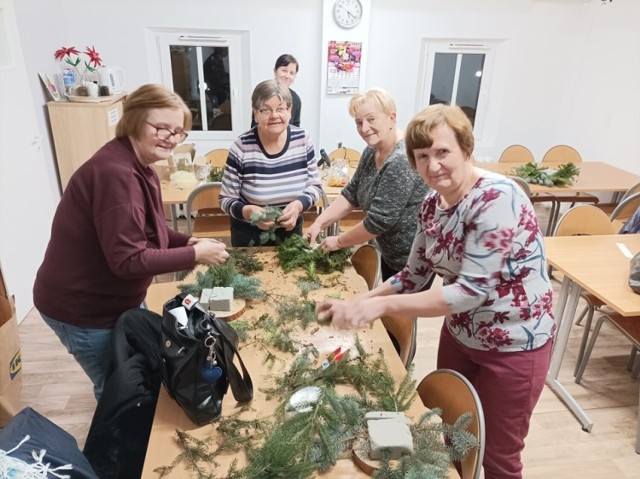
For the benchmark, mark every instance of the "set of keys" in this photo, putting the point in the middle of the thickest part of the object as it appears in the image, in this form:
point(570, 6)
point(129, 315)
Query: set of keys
point(210, 371)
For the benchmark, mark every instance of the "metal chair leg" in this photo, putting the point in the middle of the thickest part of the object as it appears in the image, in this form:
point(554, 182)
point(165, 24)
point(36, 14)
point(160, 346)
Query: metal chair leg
point(585, 335)
point(582, 315)
point(638, 433)
point(587, 353)
point(635, 371)
point(632, 358)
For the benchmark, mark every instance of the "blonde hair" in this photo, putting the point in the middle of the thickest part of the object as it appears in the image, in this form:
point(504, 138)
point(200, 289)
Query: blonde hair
point(420, 128)
point(378, 97)
point(136, 107)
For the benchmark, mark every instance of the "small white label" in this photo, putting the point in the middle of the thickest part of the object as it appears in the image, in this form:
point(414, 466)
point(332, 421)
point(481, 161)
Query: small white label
point(113, 116)
point(625, 250)
point(189, 301)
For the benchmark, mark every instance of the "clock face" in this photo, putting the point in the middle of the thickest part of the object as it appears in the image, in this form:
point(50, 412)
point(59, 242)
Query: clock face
point(347, 13)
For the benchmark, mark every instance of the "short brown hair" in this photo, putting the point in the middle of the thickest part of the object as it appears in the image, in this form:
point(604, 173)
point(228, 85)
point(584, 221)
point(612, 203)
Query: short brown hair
point(136, 107)
point(419, 129)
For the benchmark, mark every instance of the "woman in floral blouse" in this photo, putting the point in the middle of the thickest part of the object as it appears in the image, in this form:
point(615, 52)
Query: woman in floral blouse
point(478, 231)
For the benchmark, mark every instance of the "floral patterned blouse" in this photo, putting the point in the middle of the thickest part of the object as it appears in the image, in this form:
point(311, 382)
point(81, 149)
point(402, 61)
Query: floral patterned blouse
point(488, 249)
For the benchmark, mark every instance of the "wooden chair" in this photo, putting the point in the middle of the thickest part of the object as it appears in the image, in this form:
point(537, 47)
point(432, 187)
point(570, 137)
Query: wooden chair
point(366, 262)
point(312, 213)
point(454, 395)
point(209, 221)
point(540, 198)
point(625, 210)
point(579, 221)
point(352, 219)
point(609, 207)
point(217, 158)
point(524, 186)
point(630, 329)
point(562, 154)
point(352, 156)
point(404, 329)
point(516, 154)
point(401, 329)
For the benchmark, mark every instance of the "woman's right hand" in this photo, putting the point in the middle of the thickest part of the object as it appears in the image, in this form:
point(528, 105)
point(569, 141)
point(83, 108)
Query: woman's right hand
point(249, 210)
point(312, 233)
point(210, 252)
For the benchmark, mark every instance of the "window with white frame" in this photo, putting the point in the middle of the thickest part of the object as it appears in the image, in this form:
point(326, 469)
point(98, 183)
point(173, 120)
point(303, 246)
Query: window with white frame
point(206, 71)
point(458, 73)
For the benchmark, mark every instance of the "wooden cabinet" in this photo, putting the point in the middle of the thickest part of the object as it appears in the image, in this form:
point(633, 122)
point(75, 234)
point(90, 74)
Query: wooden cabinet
point(79, 129)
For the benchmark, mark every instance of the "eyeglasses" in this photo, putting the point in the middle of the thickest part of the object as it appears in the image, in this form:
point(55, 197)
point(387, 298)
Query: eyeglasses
point(166, 134)
point(266, 112)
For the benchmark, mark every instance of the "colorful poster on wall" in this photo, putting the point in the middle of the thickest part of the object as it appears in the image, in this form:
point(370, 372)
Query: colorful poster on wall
point(343, 69)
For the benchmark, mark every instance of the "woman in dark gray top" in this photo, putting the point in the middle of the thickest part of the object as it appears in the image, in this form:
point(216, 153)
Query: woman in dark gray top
point(384, 185)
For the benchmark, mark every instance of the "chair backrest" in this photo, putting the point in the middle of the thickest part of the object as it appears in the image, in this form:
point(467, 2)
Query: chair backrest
point(584, 220)
point(312, 213)
point(524, 186)
point(626, 208)
point(452, 393)
point(344, 153)
point(631, 191)
point(217, 158)
point(204, 198)
point(404, 330)
point(562, 154)
point(366, 261)
point(516, 154)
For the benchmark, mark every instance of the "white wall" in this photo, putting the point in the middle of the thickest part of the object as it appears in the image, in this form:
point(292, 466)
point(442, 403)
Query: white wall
point(566, 73)
point(27, 200)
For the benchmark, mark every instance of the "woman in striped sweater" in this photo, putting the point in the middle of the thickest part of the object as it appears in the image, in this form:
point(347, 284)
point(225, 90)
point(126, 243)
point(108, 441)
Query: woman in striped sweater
point(273, 164)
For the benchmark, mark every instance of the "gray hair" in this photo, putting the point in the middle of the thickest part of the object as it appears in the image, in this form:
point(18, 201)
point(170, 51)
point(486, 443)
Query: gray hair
point(266, 90)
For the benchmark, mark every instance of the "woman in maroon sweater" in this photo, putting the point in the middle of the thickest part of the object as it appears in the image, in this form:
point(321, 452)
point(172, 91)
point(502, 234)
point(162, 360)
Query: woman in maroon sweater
point(109, 236)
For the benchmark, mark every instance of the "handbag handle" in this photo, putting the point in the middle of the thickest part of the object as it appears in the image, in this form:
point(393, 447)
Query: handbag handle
point(241, 385)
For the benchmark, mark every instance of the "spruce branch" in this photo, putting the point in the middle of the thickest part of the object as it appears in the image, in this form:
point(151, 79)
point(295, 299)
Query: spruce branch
point(294, 252)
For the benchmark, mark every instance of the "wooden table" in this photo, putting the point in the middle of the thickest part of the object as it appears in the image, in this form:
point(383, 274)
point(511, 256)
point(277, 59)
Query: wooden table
point(598, 265)
point(594, 177)
point(169, 416)
point(172, 196)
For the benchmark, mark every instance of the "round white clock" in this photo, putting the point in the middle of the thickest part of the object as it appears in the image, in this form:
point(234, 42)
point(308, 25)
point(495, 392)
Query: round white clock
point(347, 13)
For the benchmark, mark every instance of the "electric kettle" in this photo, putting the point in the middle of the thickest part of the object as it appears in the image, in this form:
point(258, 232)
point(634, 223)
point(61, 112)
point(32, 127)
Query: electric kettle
point(111, 77)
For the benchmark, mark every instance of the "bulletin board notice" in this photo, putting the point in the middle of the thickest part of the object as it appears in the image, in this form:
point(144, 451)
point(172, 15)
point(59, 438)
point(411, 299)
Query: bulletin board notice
point(343, 67)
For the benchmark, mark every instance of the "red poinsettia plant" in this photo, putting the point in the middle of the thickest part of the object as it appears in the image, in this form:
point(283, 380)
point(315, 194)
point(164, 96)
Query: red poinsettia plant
point(81, 62)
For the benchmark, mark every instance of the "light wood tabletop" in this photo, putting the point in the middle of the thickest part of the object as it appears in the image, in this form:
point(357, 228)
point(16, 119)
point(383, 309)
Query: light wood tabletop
point(174, 196)
point(599, 265)
point(162, 448)
point(595, 176)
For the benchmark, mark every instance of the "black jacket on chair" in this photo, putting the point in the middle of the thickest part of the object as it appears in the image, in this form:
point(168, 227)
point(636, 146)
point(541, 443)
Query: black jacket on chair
point(117, 442)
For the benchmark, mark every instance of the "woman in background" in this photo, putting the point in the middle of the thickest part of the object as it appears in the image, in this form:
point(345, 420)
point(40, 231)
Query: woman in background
point(384, 185)
point(479, 232)
point(273, 164)
point(285, 72)
point(109, 236)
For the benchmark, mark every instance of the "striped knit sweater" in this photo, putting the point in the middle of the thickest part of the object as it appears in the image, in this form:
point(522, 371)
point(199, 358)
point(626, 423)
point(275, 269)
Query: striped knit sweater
point(254, 177)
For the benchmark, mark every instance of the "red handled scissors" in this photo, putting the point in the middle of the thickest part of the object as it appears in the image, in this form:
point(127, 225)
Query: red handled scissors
point(334, 357)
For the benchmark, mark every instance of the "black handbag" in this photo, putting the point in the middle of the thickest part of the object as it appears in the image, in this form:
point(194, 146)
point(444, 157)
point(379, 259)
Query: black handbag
point(198, 351)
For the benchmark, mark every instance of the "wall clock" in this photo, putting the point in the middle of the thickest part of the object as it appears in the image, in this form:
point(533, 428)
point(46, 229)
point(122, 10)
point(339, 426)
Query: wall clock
point(347, 13)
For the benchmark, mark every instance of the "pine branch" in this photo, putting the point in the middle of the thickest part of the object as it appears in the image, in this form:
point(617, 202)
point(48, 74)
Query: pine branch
point(294, 252)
